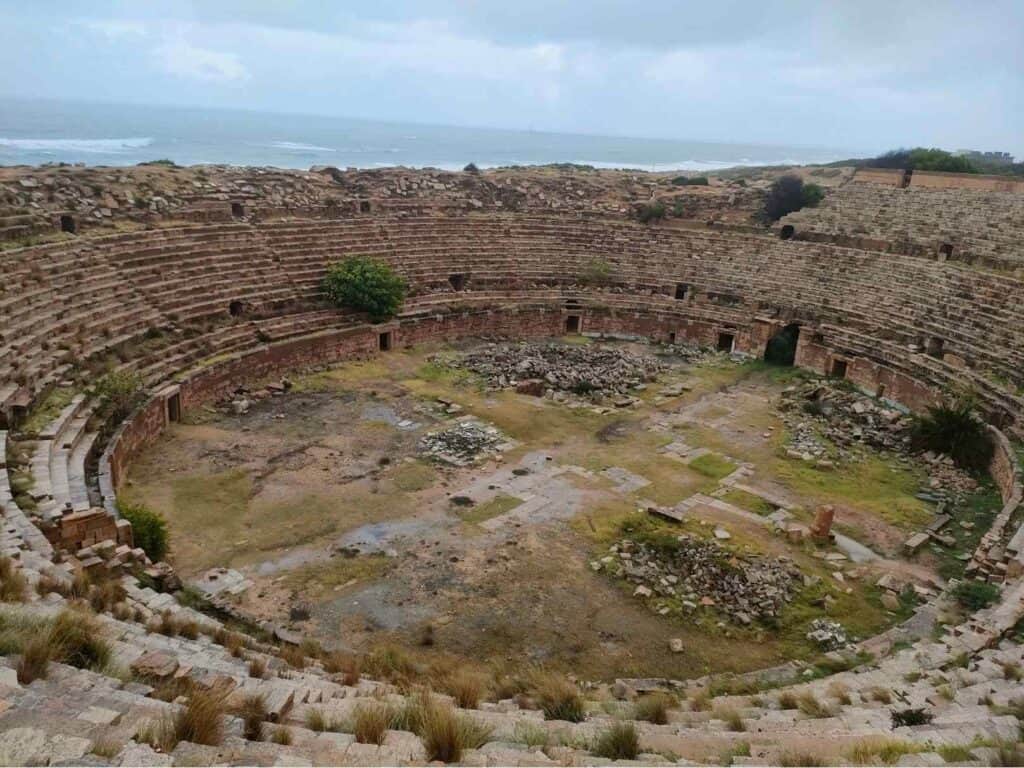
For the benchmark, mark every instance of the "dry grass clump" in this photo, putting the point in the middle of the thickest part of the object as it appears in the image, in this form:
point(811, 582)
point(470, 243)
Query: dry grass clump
point(316, 720)
point(257, 667)
point(107, 746)
point(731, 718)
point(840, 692)
point(292, 656)
point(788, 700)
point(200, 721)
point(881, 695)
point(701, 700)
point(392, 664)
point(1011, 670)
point(467, 686)
point(809, 704)
point(654, 707)
point(884, 750)
point(35, 659)
point(13, 586)
point(73, 637)
point(233, 642)
point(343, 664)
point(281, 735)
point(794, 759)
point(558, 698)
point(446, 734)
point(370, 723)
point(253, 711)
point(620, 742)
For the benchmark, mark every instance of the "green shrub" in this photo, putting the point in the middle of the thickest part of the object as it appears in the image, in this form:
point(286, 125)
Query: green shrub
point(923, 159)
point(690, 181)
point(953, 429)
point(119, 393)
point(648, 212)
point(149, 529)
point(788, 194)
point(975, 595)
point(367, 285)
point(620, 742)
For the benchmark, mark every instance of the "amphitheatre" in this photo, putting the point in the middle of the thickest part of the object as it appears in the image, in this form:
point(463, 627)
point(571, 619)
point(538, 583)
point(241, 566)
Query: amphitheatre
point(597, 479)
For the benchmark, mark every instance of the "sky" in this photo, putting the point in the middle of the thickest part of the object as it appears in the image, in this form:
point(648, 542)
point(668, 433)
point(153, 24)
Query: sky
point(864, 74)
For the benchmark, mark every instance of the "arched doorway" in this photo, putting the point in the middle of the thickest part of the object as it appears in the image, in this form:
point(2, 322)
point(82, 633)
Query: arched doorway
point(781, 348)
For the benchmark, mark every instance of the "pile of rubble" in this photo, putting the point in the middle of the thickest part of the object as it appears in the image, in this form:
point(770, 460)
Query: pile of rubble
point(695, 572)
point(843, 416)
point(829, 635)
point(541, 369)
point(463, 443)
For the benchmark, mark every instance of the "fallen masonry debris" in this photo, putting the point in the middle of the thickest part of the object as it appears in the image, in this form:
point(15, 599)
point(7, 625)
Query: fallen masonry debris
point(589, 370)
point(463, 443)
point(829, 635)
point(691, 572)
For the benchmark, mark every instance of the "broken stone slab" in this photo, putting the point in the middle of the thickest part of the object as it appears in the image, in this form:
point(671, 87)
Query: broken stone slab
point(914, 543)
point(100, 716)
point(155, 665)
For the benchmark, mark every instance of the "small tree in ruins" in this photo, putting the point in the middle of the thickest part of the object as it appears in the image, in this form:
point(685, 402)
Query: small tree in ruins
point(366, 285)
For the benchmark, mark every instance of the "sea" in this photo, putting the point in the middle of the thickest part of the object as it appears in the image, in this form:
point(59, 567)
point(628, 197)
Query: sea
point(34, 132)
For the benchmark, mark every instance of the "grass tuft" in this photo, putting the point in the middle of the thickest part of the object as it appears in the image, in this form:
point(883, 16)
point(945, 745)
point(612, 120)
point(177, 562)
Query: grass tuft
point(653, 708)
point(370, 723)
point(558, 698)
point(620, 742)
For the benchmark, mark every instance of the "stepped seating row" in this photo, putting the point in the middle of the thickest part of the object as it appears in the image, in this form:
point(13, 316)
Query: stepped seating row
point(800, 276)
point(940, 302)
point(980, 226)
point(72, 710)
point(58, 461)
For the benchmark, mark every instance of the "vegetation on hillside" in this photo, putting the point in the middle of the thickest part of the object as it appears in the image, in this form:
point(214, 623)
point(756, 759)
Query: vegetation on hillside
point(953, 429)
point(935, 159)
point(789, 193)
point(367, 285)
point(149, 529)
point(690, 181)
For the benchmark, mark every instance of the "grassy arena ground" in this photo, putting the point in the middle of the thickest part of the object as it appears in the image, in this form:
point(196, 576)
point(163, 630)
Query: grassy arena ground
point(285, 490)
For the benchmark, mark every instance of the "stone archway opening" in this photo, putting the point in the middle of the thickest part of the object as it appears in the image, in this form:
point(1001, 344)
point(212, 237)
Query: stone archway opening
point(787, 231)
point(235, 308)
point(781, 348)
point(68, 224)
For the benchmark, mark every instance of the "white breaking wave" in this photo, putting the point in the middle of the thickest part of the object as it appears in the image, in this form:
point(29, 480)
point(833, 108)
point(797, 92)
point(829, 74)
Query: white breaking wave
point(298, 146)
point(92, 146)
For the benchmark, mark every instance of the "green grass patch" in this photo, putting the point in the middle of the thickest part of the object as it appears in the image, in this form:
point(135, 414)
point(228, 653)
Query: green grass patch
point(319, 579)
point(49, 409)
point(748, 501)
point(875, 484)
point(413, 476)
point(499, 505)
point(712, 465)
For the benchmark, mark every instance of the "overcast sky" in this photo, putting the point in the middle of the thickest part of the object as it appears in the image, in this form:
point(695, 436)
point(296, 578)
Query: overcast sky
point(856, 74)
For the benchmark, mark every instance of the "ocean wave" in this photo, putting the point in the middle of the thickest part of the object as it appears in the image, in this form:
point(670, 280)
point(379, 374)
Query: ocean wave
point(92, 146)
point(298, 146)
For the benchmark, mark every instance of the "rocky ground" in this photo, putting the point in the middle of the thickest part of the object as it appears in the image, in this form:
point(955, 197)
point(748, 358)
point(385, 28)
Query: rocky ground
point(693, 573)
point(586, 370)
point(831, 422)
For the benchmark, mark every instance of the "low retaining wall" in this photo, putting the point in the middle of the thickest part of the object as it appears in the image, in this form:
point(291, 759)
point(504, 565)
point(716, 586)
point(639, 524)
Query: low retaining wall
point(536, 320)
point(1000, 553)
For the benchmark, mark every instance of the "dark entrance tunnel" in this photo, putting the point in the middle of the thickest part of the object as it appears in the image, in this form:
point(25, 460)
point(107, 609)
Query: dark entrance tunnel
point(781, 348)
